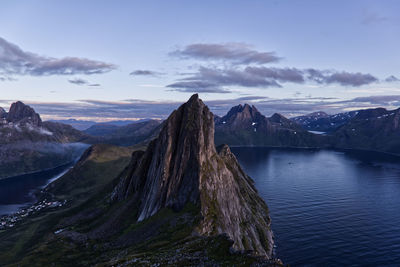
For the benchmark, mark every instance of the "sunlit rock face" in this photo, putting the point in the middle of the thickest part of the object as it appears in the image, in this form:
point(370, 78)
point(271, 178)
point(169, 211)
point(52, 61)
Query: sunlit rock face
point(183, 166)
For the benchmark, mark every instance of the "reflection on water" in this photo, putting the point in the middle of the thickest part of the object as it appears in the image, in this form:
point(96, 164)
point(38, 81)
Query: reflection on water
point(329, 208)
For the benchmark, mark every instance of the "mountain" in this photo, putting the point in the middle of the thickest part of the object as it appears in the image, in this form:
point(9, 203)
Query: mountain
point(84, 125)
point(182, 166)
point(127, 135)
point(77, 124)
point(322, 122)
point(181, 201)
point(371, 129)
point(27, 144)
point(244, 125)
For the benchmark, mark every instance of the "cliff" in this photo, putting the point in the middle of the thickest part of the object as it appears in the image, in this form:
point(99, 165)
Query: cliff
point(183, 166)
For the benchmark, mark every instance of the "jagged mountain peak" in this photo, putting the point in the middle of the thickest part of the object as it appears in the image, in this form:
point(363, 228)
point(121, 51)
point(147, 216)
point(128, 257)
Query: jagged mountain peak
point(21, 113)
point(242, 113)
point(276, 117)
point(183, 166)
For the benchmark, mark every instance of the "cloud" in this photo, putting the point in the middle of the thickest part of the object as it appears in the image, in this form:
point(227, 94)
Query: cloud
point(145, 73)
point(349, 79)
point(373, 18)
point(384, 100)
point(236, 53)
point(79, 81)
point(139, 109)
point(196, 86)
point(216, 80)
point(392, 78)
point(15, 61)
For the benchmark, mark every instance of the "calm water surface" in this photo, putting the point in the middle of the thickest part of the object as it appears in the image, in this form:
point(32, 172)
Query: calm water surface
point(329, 208)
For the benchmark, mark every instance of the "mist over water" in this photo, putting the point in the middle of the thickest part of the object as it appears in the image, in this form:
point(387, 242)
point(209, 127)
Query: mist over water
point(329, 208)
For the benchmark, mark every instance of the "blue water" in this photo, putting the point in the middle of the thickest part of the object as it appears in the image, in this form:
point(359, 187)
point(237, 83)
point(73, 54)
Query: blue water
point(329, 208)
point(17, 192)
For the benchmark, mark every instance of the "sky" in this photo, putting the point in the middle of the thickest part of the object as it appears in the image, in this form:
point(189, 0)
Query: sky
point(106, 60)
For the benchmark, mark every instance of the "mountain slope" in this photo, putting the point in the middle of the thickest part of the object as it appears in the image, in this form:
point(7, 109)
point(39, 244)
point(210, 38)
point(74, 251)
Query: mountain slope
point(126, 135)
point(246, 126)
point(27, 144)
point(371, 129)
point(322, 122)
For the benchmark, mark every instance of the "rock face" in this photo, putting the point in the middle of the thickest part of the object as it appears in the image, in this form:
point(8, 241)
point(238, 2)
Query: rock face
point(183, 166)
point(245, 125)
point(21, 113)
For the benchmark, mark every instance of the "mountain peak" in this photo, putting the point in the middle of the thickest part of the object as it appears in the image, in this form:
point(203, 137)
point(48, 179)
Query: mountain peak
point(241, 113)
point(276, 117)
point(182, 166)
point(193, 98)
point(21, 113)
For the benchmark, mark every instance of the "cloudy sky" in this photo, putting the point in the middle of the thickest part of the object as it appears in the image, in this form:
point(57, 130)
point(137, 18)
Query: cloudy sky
point(104, 60)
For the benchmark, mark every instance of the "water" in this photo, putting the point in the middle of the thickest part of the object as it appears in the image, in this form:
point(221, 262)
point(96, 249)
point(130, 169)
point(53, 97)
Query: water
point(17, 192)
point(329, 208)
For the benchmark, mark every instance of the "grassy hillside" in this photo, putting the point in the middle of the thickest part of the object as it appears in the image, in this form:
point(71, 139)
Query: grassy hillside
point(97, 168)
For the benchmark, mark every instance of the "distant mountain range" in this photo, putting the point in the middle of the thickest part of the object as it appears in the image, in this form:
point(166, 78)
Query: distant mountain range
point(322, 122)
point(246, 126)
point(127, 135)
point(372, 129)
point(83, 125)
point(29, 144)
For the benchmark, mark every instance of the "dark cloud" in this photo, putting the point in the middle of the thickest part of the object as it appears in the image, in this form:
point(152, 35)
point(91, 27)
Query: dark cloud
point(350, 79)
point(145, 73)
point(15, 61)
point(392, 78)
point(343, 78)
point(216, 80)
point(237, 53)
point(278, 74)
point(79, 81)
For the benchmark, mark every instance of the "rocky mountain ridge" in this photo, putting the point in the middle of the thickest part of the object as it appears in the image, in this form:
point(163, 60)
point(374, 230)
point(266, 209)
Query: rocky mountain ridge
point(182, 166)
point(372, 129)
point(322, 122)
point(244, 125)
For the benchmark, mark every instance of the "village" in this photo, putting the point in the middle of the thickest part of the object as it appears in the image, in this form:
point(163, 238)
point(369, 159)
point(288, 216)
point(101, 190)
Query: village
point(9, 221)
